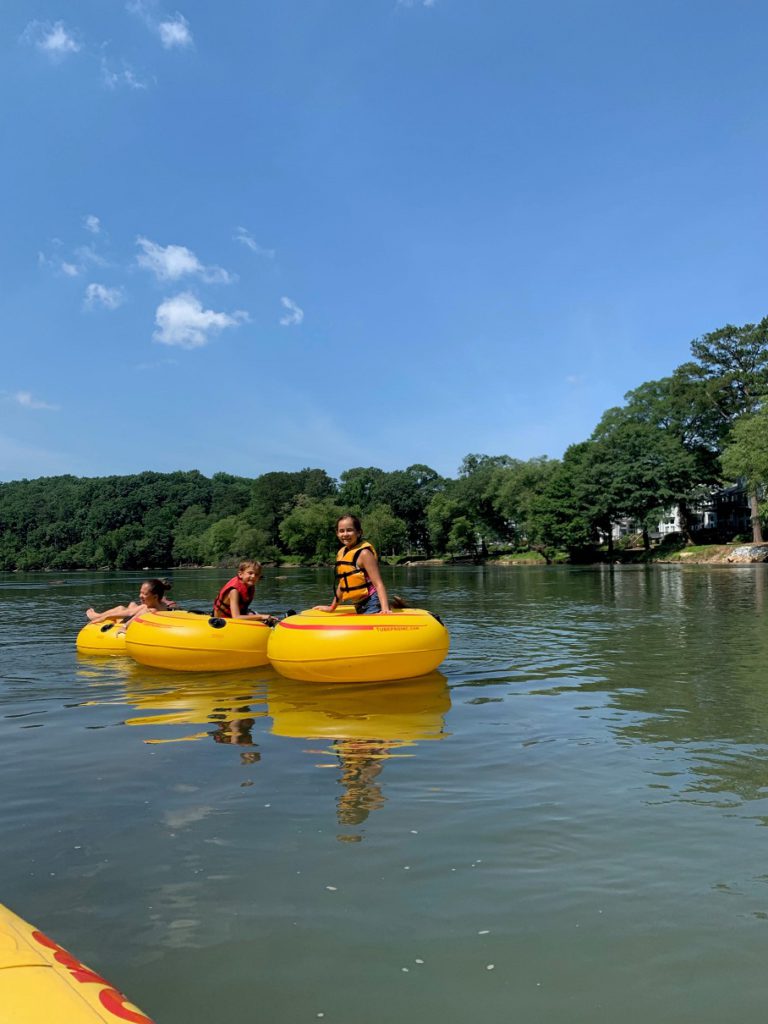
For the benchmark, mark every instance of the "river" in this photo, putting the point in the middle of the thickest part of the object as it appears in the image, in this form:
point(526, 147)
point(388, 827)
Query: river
point(565, 824)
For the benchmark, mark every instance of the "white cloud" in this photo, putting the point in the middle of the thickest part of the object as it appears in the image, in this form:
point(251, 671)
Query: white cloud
point(87, 254)
point(92, 223)
point(76, 262)
point(294, 316)
point(171, 262)
point(51, 38)
point(175, 32)
point(99, 295)
point(58, 265)
point(124, 76)
point(26, 400)
point(182, 321)
point(241, 235)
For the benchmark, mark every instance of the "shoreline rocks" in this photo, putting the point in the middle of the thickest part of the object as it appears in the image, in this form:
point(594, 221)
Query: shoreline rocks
point(749, 553)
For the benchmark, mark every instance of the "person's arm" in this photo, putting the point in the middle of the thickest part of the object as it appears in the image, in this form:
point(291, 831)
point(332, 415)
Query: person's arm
point(233, 600)
point(328, 607)
point(137, 609)
point(370, 563)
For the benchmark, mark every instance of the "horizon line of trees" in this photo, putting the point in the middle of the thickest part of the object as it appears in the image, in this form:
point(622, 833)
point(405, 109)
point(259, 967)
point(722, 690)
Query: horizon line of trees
point(671, 443)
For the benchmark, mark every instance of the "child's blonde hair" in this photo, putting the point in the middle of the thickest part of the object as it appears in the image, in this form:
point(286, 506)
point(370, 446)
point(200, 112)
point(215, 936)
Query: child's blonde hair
point(250, 563)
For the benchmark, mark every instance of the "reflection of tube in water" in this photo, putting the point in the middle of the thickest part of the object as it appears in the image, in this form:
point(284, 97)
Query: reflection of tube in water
point(228, 702)
point(366, 722)
point(403, 712)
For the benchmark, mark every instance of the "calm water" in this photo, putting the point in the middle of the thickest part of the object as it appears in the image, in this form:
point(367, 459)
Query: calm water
point(566, 825)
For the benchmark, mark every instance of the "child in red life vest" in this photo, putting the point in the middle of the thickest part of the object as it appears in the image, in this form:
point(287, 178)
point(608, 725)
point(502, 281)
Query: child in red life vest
point(234, 598)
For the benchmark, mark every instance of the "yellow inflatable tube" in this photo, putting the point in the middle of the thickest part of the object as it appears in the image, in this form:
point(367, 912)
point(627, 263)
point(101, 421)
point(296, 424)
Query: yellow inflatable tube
point(102, 638)
point(196, 643)
point(41, 983)
point(341, 646)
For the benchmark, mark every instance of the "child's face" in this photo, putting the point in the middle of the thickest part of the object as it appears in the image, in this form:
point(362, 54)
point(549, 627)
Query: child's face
point(250, 576)
point(347, 533)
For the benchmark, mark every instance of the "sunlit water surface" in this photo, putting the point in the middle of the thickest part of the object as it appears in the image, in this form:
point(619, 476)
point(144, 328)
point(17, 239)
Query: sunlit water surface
point(567, 824)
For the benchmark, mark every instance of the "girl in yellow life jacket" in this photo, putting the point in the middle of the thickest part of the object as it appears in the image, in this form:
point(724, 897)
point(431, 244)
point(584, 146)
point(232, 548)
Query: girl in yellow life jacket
point(358, 579)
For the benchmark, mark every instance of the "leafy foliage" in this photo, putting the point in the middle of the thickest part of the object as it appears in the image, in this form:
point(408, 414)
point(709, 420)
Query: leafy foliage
point(662, 447)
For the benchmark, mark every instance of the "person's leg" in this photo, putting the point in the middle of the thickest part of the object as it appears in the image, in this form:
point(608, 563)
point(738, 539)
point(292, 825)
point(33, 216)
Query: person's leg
point(120, 612)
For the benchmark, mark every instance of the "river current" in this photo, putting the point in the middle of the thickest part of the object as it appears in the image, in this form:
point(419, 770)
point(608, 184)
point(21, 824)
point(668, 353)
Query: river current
point(566, 823)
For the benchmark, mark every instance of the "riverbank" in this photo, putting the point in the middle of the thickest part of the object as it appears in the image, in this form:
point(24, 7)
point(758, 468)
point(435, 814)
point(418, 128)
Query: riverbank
point(691, 554)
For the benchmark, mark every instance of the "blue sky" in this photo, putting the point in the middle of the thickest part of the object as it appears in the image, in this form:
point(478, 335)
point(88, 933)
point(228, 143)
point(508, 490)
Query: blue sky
point(269, 234)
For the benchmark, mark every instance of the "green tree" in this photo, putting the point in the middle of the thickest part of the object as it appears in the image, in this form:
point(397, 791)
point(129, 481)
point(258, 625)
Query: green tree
point(309, 529)
point(231, 539)
point(564, 515)
point(462, 537)
point(517, 488)
point(408, 493)
point(733, 361)
point(476, 491)
point(746, 455)
point(358, 488)
point(442, 510)
point(274, 495)
point(634, 469)
point(385, 531)
point(682, 408)
point(188, 536)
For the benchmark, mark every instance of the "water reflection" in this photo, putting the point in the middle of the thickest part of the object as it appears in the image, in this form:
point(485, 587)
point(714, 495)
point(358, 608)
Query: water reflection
point(231, 702)
point(367, 724)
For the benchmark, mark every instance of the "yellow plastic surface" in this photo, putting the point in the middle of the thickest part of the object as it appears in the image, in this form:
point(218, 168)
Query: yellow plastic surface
point(102, 638)
point(190, 643)
point(342, 646)
point(41, 983)
point(369, 711)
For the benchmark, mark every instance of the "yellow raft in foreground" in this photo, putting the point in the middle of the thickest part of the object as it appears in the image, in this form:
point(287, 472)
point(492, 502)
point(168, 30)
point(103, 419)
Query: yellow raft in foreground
point(341, 646)
point(41, 983)
point(102, 637)
point(196, 643)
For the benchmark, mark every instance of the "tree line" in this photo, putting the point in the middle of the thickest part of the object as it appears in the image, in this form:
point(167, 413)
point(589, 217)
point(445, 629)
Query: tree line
point(671, 443)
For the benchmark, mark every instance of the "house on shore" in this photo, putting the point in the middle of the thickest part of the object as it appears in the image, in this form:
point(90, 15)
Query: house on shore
point(724, 515)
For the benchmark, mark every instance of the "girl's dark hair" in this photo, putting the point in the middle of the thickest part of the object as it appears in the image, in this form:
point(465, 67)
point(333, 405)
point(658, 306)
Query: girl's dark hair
point(355, 521)
point(158, 587)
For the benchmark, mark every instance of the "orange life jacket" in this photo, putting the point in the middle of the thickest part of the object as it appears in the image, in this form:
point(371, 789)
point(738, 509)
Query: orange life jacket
point(352, 583)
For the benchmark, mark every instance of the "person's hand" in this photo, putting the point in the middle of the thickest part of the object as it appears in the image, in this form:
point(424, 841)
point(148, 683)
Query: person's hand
point(322, 608)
